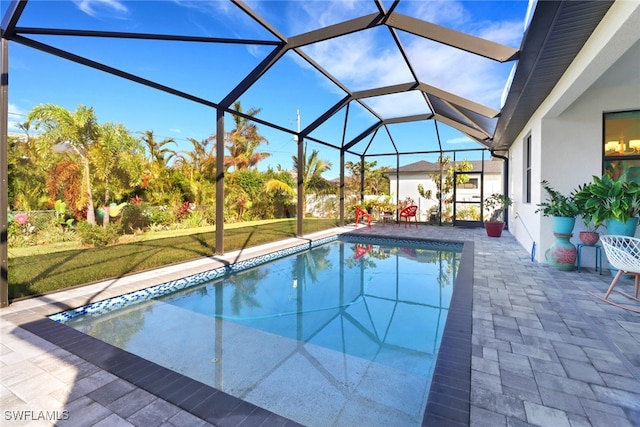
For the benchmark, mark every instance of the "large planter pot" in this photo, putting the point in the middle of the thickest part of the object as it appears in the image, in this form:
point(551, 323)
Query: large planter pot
point(620, 228)
point(562, 253)
point(494, 229)
point(563, 224)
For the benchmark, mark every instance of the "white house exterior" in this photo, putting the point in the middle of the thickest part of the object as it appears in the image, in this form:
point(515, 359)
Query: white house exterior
point(566, 131)
point(404, 182)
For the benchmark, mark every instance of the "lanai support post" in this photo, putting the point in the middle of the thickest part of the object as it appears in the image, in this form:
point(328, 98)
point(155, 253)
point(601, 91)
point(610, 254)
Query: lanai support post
point(362, 178)
point(219, 181)
point(341, 196)
point(4, 173)
point(398, 188)
point(301, 195)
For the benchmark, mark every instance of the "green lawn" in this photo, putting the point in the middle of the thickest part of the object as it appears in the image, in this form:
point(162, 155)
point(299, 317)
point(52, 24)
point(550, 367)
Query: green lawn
point(43, 271)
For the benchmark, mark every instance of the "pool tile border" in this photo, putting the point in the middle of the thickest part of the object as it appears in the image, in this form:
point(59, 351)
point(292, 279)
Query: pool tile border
point(111, 304)
point(449, 397)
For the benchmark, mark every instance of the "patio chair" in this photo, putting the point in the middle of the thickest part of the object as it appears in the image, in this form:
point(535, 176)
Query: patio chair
point(360, 213)
point(623, 253)
point(408, 213)
point(361, 250)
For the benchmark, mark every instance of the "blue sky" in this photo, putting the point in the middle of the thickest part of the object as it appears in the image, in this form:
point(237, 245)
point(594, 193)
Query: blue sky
point(360, 61)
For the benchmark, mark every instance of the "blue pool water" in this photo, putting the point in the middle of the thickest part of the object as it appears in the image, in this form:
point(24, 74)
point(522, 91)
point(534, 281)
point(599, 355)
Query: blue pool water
point(346, 333)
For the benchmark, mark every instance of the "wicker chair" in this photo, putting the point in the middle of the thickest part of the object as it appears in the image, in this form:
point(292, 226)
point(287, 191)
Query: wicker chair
point(623, 253)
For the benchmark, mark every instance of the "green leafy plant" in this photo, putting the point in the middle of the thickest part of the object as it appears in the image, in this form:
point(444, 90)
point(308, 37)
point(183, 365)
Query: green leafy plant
point(62, 217)
point(495, 205)
point(604, 199)
point(97, 236)
point(133, 218)
point(557, 204)
point(159, 215)
point(368, 205)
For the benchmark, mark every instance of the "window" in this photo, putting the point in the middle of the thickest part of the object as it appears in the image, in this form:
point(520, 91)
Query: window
point(471, 184)
point(526, 191)
point(621, 144)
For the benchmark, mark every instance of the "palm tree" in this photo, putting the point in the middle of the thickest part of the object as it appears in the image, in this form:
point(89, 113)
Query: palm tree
point(71, 132)
point(376, 182)
point(27, 171)
point(157, 177)
point(312, 180)
point(158, 154)
point(243, 141)
point(117, 161)
point(199, 168)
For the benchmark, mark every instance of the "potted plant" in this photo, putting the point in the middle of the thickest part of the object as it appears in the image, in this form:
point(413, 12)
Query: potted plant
point(612, 203)
point(590, 235)
point(561, 208)
point(495, 206)
point(367, 205)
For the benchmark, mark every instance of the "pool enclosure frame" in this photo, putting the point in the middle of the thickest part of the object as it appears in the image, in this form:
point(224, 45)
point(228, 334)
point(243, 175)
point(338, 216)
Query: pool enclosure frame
point(554, 27)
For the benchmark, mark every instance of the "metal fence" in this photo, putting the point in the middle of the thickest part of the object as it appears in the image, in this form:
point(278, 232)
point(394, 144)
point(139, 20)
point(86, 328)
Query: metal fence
point(33, 221)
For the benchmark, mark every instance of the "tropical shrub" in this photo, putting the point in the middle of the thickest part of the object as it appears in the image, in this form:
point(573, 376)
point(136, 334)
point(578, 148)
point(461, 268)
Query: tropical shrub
point(55, 234)
point(159, 215)
point(95, 235)
point(208, 213)
point(63, 218)
point(194, 220)
point(133, 218)
point(183, 210)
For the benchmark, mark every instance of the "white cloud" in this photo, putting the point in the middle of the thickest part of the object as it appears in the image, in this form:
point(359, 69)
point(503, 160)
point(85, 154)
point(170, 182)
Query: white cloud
point(369, 59)
point(445, 13)
point(96, 7)
point(16, 116)
point(459, 140)
point(399, 105)
point(508, 33)
point(207, 6)
point(461, 73)
point(362, 60)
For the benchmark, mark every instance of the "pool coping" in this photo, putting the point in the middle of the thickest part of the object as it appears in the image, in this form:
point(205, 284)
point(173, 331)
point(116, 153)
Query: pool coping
point(449, 397)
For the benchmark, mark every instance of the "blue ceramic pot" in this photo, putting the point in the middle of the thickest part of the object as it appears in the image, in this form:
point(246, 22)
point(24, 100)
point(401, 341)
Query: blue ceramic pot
point(620, 228)
point(563, 224)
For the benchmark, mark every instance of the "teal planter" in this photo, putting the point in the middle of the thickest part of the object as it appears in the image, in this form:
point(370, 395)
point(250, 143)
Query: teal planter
point(563, 224)
point(622, 228)
point(562, 254)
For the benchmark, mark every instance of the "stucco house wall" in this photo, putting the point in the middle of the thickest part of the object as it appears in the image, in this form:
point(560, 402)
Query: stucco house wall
point(414, 174)
point(566, 131)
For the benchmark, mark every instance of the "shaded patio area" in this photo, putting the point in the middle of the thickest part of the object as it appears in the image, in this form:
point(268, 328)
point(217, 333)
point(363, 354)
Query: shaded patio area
point(544, 352)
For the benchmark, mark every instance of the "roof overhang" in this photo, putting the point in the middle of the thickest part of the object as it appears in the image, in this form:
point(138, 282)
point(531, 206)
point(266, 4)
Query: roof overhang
point(557, 32)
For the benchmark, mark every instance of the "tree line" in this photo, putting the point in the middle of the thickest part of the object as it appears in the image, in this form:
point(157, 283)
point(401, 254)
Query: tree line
point(94, 168)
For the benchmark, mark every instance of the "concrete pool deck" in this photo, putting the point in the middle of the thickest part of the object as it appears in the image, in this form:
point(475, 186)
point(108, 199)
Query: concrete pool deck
point(544, 352)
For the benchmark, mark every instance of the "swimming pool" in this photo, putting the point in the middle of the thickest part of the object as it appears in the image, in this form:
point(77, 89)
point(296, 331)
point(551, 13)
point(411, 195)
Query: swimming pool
point(319, 345)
